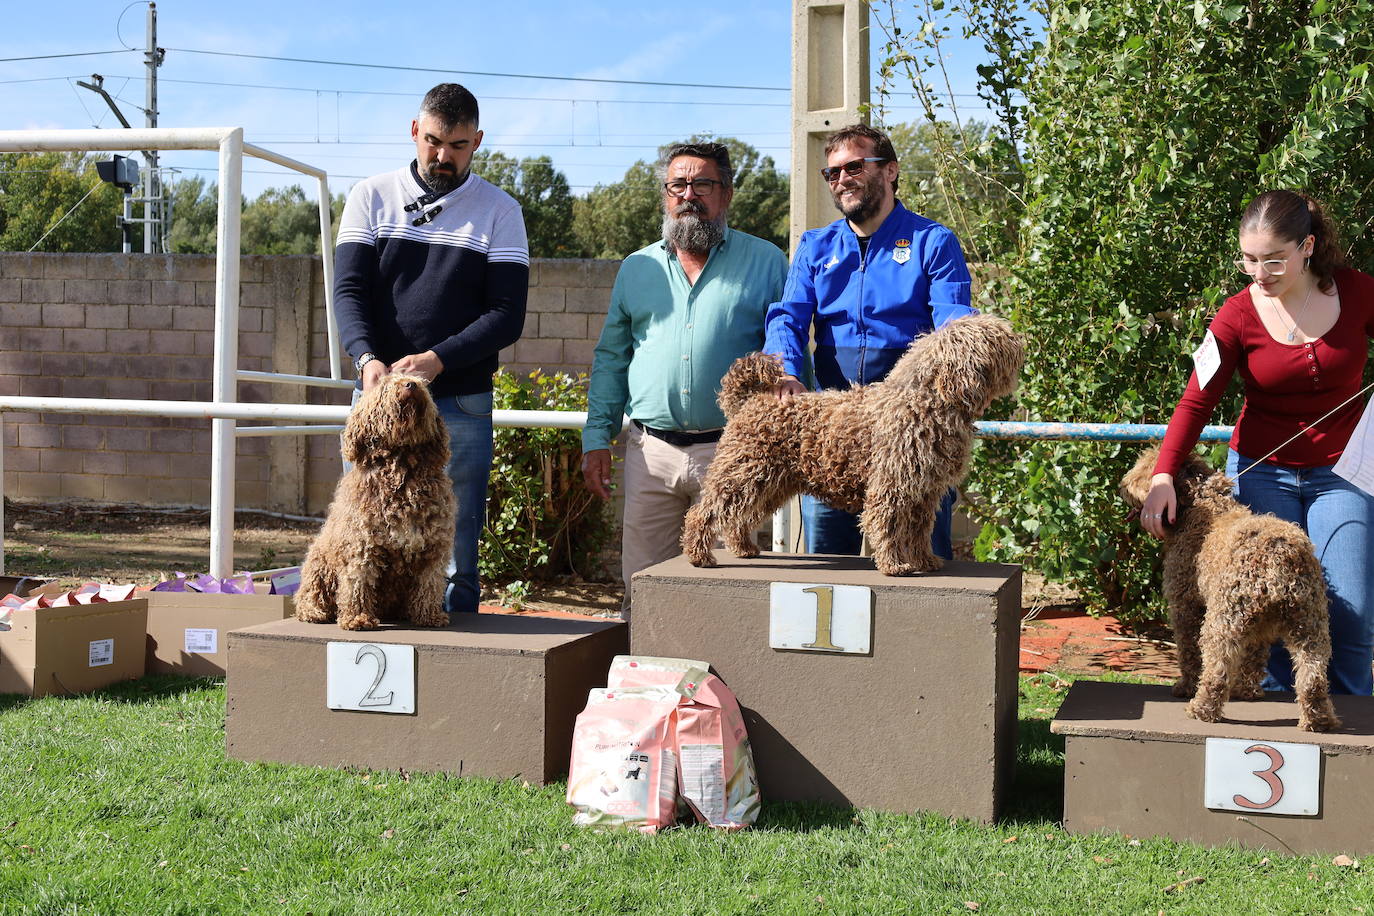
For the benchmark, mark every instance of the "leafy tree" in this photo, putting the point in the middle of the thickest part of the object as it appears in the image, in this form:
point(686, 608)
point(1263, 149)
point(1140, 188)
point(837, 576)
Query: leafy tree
point(277, 221)
point(60, 195)
point(544, 198)
point(1146, 130)
point(614, 220)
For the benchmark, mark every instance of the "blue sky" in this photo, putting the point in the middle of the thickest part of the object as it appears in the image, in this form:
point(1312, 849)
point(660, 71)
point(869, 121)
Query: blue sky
point(354, 121)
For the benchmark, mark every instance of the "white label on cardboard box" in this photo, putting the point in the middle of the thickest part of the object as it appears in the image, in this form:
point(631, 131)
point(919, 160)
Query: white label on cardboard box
point(101, 653)
point(1263, 777)
point(202, 641)
point(370, 677)
point(820, 618)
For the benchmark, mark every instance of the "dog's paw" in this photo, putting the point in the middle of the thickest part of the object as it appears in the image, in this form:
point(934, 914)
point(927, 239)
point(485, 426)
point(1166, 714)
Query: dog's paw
point(1322, 722)
point(359, 622)
point(309, 614)
point(438, 618)
point(1184, 688)
point(916, 567)
point(1204, 712)
point(746, 552)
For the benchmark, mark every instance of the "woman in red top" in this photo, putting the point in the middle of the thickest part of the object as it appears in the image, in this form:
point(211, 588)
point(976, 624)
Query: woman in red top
point(1299, 336)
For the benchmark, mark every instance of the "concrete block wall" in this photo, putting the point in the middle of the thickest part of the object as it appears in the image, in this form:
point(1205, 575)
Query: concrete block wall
point(141, 326)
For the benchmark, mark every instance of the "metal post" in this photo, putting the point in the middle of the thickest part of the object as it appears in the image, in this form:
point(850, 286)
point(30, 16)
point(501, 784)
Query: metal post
point(153, 237)
point(327, 257)
point(224, 383)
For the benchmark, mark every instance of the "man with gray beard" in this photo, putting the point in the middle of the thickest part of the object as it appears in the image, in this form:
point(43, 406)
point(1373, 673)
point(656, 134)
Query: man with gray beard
point(682, 310)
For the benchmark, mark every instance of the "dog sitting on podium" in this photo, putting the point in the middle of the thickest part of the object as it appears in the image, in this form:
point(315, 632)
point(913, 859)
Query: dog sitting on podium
point(890, 450)
point(1236, 583)
point(385, 545)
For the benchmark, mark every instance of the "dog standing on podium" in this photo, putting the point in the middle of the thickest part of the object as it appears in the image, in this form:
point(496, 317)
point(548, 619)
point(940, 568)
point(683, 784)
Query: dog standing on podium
point(385, 545)
point(890, 449)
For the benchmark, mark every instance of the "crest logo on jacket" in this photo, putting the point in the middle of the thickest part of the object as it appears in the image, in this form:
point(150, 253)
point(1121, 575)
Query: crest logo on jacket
point(901, 251)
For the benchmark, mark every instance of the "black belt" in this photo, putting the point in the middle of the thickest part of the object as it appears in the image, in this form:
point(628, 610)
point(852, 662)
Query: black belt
point(679, 438)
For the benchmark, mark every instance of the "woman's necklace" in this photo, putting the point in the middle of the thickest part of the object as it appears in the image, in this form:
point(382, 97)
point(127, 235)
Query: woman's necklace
point(1292, 326)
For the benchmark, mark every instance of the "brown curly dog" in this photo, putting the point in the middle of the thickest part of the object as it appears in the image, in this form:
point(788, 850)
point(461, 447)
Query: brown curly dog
point(889, 449)
point(385, 544)
point(1237, 583)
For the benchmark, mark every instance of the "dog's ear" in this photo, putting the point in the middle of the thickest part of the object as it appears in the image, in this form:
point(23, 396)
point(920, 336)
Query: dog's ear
point(355, 430)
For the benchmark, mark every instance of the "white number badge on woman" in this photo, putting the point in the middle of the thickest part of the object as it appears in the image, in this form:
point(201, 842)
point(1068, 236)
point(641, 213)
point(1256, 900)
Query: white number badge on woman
point(1206, 360)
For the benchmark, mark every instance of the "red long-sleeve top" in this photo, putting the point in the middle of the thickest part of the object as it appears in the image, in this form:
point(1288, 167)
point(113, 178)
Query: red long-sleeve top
point(1287, 386)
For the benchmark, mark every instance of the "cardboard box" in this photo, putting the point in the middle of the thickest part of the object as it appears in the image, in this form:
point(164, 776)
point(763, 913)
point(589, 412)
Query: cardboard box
point(495, 695)
point(187, 630)
point(20, 585)
point(923, 718)
point(1135, 763)
point(73, 649)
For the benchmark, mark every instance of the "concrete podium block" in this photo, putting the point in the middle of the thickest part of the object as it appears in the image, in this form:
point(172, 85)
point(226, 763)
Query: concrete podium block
point(1134, 763)
point(925, 720)
point(494, 695)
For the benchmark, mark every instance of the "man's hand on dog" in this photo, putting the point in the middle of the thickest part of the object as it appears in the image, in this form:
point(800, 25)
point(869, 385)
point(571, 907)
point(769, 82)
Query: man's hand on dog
point(788, 388)
point(373, 373)
point(1160, 508)
point(596, 471)
point(426, 365)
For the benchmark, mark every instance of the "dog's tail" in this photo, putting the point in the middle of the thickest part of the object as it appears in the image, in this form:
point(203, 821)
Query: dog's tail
point(751, 374)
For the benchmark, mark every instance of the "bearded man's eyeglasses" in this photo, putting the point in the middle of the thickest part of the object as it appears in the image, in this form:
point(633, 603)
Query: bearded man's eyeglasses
point(831, 173)
point(701, 187)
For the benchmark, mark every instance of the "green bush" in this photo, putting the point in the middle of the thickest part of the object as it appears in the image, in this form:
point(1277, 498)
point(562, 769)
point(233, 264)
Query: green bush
point(541, 521)
point(1150, 128)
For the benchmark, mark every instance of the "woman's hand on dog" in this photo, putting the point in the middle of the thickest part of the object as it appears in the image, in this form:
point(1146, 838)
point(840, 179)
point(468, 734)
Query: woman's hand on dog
point(789, 387)
point(1160, 508)
point(596, 471)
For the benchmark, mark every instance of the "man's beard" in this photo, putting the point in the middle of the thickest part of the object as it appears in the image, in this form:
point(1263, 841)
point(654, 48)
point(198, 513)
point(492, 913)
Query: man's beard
point(867, 205)
point(685, 230)
point(443, 179)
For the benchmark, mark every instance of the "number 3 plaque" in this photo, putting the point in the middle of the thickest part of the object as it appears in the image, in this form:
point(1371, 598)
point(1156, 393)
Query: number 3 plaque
point(1263, 777)
point(370, 677)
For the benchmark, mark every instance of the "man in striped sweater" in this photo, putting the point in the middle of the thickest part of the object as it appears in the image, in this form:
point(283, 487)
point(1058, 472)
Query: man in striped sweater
point(431, 274)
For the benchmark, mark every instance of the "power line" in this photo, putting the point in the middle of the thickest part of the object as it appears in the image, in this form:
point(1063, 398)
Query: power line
point(8, 60)
point(526, 76)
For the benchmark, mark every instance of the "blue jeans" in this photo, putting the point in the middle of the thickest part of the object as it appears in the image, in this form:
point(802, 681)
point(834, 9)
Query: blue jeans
point(468, 418)
point(1339, 518)
point(836, 531)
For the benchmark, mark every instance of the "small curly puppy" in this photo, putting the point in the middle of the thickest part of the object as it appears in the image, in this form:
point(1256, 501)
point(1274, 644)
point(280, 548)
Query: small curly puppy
point(1237, 583)
point(385, 544)
point(890, 449)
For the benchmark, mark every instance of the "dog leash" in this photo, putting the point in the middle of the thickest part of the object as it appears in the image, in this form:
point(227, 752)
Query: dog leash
point(1299, 434)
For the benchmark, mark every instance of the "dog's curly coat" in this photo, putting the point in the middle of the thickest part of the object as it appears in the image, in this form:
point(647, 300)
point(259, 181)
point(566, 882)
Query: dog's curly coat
point(382, 552)
point(1236, 583)
point(890, 449)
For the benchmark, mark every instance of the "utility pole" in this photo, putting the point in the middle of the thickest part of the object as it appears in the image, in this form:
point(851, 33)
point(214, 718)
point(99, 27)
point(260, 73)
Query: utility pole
point(154, 207)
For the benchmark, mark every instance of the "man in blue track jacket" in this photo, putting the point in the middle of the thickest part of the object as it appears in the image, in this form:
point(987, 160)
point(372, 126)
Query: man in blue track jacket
point(870, 283)
point(432, 270)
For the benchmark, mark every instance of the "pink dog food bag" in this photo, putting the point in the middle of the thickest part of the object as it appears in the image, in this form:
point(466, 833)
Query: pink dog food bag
point(623, 771)
point(716, 774)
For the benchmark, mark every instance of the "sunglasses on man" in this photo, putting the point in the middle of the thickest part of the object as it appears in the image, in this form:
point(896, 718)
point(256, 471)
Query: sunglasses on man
point(831, 173)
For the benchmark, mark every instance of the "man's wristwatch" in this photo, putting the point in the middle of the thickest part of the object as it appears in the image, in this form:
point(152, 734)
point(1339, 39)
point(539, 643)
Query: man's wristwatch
point(363, 361)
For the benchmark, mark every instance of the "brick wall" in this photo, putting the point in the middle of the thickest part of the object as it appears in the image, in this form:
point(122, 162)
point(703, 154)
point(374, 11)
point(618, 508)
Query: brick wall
point(141, 326)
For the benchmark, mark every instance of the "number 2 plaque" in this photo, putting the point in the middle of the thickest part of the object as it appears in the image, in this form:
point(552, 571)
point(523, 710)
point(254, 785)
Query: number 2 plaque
point(370, 677)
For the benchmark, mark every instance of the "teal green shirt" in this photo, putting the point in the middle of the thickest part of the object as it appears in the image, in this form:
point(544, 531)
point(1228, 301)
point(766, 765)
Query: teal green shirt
point(667, 343)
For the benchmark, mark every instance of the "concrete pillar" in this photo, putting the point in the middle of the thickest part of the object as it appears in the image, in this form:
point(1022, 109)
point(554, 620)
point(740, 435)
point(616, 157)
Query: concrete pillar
point(829, 84)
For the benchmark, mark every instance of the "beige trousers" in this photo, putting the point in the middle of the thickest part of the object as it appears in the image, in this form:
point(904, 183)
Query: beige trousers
point(662, 482)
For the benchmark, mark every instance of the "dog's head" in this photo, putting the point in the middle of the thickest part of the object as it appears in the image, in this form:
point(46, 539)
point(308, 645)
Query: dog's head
point(971, 361)
point(1194, 479)
point(398, 414)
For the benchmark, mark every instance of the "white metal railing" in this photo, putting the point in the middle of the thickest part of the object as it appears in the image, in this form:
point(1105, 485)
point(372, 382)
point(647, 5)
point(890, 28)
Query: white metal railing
point(232, 148)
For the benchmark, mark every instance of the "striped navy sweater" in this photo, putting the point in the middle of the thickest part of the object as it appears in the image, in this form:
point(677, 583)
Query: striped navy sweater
point(455, 284)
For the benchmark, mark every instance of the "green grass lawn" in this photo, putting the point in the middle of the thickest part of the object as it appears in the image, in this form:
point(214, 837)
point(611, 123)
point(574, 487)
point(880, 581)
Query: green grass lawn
point(123, 802)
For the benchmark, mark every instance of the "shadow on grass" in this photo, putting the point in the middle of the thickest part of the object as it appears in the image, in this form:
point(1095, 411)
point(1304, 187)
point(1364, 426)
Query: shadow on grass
point(153, 688)
point(805, 817)
point(1037, 791)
